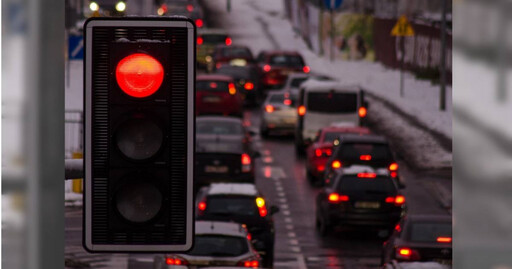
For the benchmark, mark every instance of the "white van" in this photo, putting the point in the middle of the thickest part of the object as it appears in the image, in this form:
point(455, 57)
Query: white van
point(322, 103)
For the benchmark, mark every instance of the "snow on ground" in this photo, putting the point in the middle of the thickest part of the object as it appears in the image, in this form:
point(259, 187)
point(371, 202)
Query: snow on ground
point(262, 25)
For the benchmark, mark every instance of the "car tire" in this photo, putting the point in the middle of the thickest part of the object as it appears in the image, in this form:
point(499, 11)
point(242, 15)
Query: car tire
point(323, 228)
point(311, 179)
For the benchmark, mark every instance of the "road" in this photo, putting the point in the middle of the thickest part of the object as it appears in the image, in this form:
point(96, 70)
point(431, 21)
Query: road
point(281, 177)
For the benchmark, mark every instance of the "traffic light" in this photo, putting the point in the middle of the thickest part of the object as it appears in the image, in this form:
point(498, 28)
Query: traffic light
point(139, 134)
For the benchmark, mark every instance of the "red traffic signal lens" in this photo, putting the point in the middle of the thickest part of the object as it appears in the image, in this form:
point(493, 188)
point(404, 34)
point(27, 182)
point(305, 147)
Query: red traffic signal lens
point(139, 139)
point(139, 75)
point(138, 202)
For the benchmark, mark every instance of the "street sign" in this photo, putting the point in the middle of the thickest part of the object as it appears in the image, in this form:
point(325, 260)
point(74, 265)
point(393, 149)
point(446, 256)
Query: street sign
point(139, 134)
point(333, 4)
point(75, 47)
point(402, 27)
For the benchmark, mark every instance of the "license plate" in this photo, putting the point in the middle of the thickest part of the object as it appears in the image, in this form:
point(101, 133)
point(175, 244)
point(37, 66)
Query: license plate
point(215, 169)
point(369, 205)
point(211, 99)
point(289, 121)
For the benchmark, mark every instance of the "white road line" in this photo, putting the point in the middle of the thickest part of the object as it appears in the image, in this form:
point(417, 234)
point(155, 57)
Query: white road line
point(292, 234)
point(286, 212)
point(284, 206)
point(283, 200)
point(301, 261)
point(294, 242)
point(314, 259)
point(289, 220)
point(289, 226)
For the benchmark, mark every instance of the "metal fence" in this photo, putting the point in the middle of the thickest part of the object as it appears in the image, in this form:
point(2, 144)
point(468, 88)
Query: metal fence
point(74, 132)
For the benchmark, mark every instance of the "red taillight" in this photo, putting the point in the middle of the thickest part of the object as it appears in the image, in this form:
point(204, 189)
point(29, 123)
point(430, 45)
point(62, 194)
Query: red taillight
point(301, 110)
point(139, 75)
point(336, 164)
point(393, 174)
point(443, 239)
point(199, 40)
point(287, 102)
point(190, 8)
point(246, 159)
point(249, 264)
point(229, 41)
point(201, 206)
point(336, 198)
point(249, 86)
point(362, 112)
point(325, 152)
point(365, 157)
point(367, 175)
point(399, 200)
point(404, 253)
point(398, 228)
point(175, 261)
point(199, 23)
point(269, 108)
point(232, 88)
point(218, 65)
point(266, 68)
point(249, 237)
point(263, 211)
point(393, 167)
point(306, 69)
point(320, 168)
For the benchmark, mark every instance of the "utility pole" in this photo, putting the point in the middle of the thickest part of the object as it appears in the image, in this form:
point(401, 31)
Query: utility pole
point(442, 97)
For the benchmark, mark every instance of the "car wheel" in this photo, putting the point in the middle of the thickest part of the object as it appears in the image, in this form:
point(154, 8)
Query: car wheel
point(311, 178)
point(323, 227)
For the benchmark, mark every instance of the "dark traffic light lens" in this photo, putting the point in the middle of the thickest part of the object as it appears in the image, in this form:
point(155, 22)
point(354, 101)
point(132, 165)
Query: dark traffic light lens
point(139, 139)
point(138, 202)
point(139, 75)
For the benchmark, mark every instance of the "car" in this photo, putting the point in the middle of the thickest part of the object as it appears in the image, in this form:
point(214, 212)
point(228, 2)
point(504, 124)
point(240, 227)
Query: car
point(320, 150)
point(321, 103)
point(246, 81)
point(294, 80)
point(215, 244)
point(420, 238)
point(223, 151)
point(278, 113)
point(416, 265)
point(241, 203)
point(207, 40)
point(359, 196)
point(188, 8)
point(275, 66)
point(231, 55)
point(370, 150)
point(218, 95)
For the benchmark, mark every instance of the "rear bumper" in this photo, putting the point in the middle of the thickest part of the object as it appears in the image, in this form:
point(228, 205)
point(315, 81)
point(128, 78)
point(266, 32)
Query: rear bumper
point(381, 220)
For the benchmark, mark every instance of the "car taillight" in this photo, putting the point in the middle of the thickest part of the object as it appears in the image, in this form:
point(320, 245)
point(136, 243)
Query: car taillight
point(229, 41)
point(175, 261)
point(403, 253)
point(323, 152)
point(232, 88)
point(269, 108)
point(249, 263)
point(249, 236)
point(365, 157)
point(362, 112)
point(443, 239)
point(287, 102)
point(218, 65)
point(301, 110)
point(366, 175)
point(190, 8)
point(199, 40)
point(199, 23)
point(336, 164)
point(263, 211)
point(201, 206)
point(335, 198)
point(398, 200)
point(393, 167)
point(266, 68)
point(249, 86)
point(246, 162)
point(306, 69)
point(320, 168)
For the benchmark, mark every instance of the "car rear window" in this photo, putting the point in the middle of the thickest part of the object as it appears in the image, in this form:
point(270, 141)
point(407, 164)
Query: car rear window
point(295, 83)
point(429, 232)
point(353, 151)
point(231, 205)
point(214, 38)
point(331, 136)
point(280, 99)
point(236, 52)
point(212, 86)
point(286, 60)
point(219, 128)
point(235, 72)
point(378, 185)
point(219, 246)
point(332, 102)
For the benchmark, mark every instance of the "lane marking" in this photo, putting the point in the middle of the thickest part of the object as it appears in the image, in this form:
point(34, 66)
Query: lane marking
point(284, 206)
point(295, 249)
point(294, 242)
point(286, 212)
point(289, 220)
point(292, 234)
point(278, 188)
point(280, 194)
point(283, 200)
point(289, 226)
point(301, 261)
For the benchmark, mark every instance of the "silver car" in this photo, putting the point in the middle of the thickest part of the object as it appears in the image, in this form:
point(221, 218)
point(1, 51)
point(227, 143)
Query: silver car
point(215, 244)
point(278, 113)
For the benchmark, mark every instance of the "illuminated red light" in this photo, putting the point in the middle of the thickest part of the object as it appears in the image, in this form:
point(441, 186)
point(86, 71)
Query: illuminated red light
point(318, 152)
point(190, 8)
point(336, 164)
point(249, 237)
point(218, 65)
point(263, 211)
point(213, 85)
point(232, 88)
point(255, 264)
point(306, 69)
point(444, 239)
point(399, 200)
point(249, 86)
point(393, 167)
point(390, 200)
point(335, 198)
point(287, 102)
point(320, 168)
point(269, 108)
point(398, 228)
point(301, 110)
point(174, 261)
point(246, 159)
point(199, 41)
point(405, 252)
point(202, 206)
point(362, 112)
point(139, 75)
point(266, 68)
point(229, 41)
point(365, 157)
point(367, 175)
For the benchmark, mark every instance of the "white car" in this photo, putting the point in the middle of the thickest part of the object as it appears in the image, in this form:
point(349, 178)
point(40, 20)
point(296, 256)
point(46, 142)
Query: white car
point(278, 113)
point(215, 244)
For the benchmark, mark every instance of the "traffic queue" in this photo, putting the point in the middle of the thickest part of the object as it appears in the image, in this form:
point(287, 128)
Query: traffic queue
point(359, 177)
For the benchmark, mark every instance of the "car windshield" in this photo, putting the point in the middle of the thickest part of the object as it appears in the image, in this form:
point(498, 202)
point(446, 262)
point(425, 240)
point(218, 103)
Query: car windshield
point(332, 102)
point(279, 98)
point(295, 83)
point(231, 205)
point(429, 231)
point(212, 86)
point(286, 60)
point(351, 185)
point(214, 38)
point(353, 152)
point(219, 127)
point(219, 246)
point(236, 52)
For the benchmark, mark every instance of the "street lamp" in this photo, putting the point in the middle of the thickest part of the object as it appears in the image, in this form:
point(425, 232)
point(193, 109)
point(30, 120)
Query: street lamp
point(120, 6)
point(93, 6)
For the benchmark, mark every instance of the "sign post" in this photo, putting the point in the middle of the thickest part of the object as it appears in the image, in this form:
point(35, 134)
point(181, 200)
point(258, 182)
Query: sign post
point(332, 5)
point(402, 29)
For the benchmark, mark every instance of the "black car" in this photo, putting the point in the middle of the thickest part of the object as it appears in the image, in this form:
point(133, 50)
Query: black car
point(359, 196)
point(246, 79)
point(420, 238)
point(368, 150)
point(241, 203)
point(223, 151)
point(233, 54)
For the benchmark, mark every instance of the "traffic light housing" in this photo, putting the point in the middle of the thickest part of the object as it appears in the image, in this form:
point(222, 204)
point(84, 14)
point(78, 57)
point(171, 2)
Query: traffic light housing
point(139, 134)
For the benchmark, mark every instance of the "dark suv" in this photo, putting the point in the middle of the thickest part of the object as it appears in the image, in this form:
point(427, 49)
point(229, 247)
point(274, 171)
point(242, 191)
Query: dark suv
point(241, 203)
point(359, 196)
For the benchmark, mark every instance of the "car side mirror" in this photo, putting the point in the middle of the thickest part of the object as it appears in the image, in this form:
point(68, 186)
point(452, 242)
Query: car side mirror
point(273, 210)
